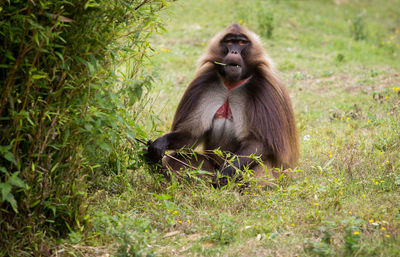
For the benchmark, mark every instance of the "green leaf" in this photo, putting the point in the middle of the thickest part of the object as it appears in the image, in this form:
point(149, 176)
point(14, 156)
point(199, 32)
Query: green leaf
point(5, 148)
point(10, 157)
point(36, 38)
point(162, 196)
point(16, 181)
point(10, 198)
point(88, 127)
point(6, 195)
point(37, 76)
point(5, 190)
point(90, 67)
point(60, 56)
point(4, 170)
point(9, 55)
point(91, 3)
point(35, 203)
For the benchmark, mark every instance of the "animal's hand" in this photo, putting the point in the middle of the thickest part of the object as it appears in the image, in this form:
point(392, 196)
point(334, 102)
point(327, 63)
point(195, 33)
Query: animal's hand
point(155, 151)
point(226, 172)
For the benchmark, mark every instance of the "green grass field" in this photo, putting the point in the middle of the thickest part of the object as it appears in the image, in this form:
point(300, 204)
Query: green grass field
point(341, 63)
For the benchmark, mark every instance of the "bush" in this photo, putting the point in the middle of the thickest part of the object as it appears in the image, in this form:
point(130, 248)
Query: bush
point(63, 106)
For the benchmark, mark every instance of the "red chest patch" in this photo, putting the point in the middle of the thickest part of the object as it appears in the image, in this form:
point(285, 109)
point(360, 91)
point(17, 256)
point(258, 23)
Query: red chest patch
point(224, 112)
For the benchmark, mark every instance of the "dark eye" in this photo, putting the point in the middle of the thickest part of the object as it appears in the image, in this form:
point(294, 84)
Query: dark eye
point(229, 43)
point(242, 43)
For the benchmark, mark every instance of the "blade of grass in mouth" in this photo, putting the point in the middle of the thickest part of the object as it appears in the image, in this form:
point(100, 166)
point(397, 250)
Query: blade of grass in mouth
point(220, 63)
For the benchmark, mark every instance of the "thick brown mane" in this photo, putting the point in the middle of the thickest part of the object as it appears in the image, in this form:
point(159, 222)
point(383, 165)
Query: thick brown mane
point(272, 122)
point(192, 95)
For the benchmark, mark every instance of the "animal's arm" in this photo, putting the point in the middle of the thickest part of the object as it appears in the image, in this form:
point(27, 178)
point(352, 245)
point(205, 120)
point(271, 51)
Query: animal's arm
point(187, 127)
point(170, 141)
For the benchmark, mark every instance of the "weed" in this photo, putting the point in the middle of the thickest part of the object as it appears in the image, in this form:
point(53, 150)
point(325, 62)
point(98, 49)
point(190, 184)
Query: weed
point(225, 230)
point(358, 27)
point(340, 57)
point(132, 234)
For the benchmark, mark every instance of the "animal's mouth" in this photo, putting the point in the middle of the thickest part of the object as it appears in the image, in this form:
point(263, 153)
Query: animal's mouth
point(232, 70)
point(234, 65)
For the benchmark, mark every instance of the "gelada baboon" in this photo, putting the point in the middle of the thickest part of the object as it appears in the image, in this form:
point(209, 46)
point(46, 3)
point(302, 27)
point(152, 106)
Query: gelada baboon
point(236, 103)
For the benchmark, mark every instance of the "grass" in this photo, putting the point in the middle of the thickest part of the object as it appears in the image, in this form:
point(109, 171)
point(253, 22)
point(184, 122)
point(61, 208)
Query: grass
point(344, 199)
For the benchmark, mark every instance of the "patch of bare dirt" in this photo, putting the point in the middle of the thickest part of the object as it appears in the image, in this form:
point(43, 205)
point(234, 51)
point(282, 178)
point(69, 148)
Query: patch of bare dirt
point(381, 82)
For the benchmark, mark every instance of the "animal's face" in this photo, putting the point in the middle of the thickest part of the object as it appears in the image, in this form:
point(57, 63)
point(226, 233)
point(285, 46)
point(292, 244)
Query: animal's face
point(234, 47)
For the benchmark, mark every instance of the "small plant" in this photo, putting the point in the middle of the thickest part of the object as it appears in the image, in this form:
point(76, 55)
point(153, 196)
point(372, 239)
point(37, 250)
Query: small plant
point(133, 234)
point(340, 57)
point(352, 236)
point(357, 28)
point(351, 239)
point(319, 249)
point(225, 230)
point(324, 246)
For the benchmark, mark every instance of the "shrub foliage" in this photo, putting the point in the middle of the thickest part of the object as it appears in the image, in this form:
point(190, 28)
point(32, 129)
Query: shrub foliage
point(63, 107)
